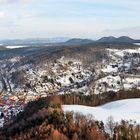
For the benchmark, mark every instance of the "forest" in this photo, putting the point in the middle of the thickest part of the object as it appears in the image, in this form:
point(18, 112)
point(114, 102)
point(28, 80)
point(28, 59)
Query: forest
point(98, 99)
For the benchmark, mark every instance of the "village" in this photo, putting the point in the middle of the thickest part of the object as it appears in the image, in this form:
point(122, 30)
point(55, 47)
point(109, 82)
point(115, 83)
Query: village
point(119, 71)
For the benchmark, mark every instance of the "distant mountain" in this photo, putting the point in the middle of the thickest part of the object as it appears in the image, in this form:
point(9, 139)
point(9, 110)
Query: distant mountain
point(78, 41)
point(107, 39)
point(33, 41)
point(111, 39)
point(66, 41)
point(125, 39)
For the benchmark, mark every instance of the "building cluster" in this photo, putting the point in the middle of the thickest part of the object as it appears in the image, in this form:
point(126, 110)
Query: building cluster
point(59, 77)
point(120, 71)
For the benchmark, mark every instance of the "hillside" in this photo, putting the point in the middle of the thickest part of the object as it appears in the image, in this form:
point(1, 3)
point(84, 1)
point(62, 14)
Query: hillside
point(45, 119)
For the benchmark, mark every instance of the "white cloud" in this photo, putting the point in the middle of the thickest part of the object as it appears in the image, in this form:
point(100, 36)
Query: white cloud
point(133, 32)
point(7, 1)
point(29, 15)
point(2, 15)
point(12, 1)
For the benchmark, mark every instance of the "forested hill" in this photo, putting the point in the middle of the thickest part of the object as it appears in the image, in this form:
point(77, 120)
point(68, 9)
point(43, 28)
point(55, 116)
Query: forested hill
point(45, 119)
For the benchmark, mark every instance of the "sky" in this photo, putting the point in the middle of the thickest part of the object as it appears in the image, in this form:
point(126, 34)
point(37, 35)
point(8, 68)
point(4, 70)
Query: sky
point(69, 18)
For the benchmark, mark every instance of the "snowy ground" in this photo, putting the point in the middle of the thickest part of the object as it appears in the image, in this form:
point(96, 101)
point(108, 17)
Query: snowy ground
point(122, 69)
point(124, 109)
point(14, 47)
point(136, 43)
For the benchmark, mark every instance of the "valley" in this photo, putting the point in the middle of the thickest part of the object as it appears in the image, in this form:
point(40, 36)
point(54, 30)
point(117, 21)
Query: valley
point(34, 74)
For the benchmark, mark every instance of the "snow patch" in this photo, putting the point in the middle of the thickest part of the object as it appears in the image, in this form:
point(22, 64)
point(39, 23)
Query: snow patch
point(15, 47)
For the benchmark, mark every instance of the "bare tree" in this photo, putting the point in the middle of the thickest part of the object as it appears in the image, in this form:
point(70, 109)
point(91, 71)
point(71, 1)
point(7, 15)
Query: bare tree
point(110, 125)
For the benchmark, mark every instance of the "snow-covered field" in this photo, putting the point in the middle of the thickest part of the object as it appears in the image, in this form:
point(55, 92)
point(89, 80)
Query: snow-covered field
point(136, 43)
point(14, 47)
point(124, 109)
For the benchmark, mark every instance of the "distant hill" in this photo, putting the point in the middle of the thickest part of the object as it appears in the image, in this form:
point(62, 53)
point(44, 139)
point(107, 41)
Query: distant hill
point(107, 39)
point(111, 39)
point(125, 39)
point(33, 41)
point(67, 41)
point(77, 41)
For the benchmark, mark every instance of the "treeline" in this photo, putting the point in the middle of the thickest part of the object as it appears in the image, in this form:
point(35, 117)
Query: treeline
point(98, 99)
point(45, 120)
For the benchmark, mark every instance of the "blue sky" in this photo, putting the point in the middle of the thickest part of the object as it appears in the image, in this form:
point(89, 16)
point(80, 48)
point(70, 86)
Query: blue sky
point(69, 18)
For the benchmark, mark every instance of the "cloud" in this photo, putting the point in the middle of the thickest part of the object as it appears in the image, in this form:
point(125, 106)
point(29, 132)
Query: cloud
point(121, 4)
point(7, 1)
point(130, 31)
point(123, 29)
point(2, 15)
point(29, 15)
point(12, 1)
point(75, 18)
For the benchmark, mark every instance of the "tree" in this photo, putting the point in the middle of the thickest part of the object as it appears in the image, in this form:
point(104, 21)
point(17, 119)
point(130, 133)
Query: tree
point(75, 136)
point(110, 126)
